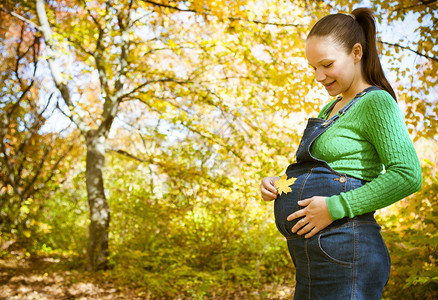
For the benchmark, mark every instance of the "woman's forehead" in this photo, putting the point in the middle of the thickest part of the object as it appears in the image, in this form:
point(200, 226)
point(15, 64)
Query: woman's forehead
point(320, 48)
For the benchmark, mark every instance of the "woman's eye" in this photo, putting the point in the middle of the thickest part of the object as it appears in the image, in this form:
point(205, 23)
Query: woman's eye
point(328, 65)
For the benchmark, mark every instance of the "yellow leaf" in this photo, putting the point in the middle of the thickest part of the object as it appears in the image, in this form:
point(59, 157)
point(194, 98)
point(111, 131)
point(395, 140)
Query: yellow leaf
point(283, 185)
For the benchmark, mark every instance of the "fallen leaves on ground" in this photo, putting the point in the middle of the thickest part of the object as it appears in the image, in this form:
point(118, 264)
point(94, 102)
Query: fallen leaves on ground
point(35, 278)
point(47, 278)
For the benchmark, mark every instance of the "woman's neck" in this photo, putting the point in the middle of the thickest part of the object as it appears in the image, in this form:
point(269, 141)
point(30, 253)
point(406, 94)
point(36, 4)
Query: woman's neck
point(351, 93)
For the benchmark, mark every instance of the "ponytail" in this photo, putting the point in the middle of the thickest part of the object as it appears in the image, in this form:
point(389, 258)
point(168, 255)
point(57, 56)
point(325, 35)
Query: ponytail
point(372, 68)
point(358, 27)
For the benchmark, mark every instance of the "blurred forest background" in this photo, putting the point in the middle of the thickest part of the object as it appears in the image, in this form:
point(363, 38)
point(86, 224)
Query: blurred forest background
point(134, 135)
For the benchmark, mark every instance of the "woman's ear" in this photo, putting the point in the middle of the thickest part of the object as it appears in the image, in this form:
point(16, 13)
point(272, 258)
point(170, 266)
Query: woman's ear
point(357, 52)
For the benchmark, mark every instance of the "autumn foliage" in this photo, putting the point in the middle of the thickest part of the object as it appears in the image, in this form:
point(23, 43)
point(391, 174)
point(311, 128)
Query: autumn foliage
point(185, 106)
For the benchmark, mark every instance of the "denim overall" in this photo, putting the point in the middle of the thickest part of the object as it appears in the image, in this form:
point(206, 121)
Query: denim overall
point(346, 260)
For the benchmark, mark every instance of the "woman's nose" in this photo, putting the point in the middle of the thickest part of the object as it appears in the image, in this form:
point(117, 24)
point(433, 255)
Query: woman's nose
point(319, 75)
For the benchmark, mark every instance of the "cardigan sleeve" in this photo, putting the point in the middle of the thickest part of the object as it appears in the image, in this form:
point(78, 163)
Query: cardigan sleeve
point(384, 127)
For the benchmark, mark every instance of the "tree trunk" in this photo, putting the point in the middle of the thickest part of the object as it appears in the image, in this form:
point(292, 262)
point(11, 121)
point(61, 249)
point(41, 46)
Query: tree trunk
point(98, 251)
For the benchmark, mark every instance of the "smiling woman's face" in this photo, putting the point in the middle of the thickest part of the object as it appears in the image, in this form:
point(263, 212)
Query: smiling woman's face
point(337, 70)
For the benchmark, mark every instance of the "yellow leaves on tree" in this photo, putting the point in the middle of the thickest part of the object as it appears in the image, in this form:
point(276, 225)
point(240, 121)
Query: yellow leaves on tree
point(283, 185)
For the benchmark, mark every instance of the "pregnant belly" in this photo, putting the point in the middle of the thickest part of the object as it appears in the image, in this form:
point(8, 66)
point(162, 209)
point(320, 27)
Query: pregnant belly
point(311, 180)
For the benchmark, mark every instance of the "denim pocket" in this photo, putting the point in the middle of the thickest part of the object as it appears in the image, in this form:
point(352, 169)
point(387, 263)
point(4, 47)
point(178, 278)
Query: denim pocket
point(339, 245)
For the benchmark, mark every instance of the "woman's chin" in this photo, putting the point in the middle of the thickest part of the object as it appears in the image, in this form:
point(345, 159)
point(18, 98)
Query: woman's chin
point(333, 93)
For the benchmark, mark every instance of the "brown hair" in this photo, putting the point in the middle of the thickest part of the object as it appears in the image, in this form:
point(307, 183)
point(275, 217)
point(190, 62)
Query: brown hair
point(358, 27)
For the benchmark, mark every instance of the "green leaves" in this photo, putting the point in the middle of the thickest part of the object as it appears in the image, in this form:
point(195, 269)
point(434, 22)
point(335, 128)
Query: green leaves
point(213, 96)
point(410, 232)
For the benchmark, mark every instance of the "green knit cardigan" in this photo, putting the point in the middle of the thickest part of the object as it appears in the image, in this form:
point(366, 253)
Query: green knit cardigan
point(370, 142)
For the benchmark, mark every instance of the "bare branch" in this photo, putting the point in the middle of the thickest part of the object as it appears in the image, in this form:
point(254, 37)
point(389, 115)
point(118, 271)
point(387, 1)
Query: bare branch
point(112, 102)
point(98, 56)
point(32, 131)
point(172, 7)
point(166, 168)
point(423, 3)
point(91, 15)
point(139, 87)
point(28, 189)
point(21, 18)
point(409, 49)
point(79, 45)
point(56, 74)
point(229, 18)
point(54, 168)
point(11, 176)
point(123, 152)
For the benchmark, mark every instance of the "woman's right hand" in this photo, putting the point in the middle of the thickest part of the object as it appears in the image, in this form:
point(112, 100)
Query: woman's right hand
point(268, 189)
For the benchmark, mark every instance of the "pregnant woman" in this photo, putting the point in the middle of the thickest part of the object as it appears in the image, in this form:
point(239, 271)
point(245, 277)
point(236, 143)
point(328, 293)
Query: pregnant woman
point(354, 158)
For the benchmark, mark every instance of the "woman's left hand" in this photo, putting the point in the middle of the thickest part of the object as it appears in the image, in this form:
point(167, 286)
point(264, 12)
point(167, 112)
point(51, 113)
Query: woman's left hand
point(316, 216)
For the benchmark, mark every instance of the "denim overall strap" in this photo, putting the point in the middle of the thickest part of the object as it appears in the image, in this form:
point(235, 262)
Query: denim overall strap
point(346, 260)
point(356, 98)
point(317, 126)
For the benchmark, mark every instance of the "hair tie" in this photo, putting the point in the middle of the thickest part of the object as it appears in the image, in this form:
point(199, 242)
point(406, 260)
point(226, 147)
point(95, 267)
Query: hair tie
point(353, 16)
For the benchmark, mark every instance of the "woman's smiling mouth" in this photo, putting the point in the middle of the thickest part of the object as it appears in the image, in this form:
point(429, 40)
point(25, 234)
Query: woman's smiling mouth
point(330, 85)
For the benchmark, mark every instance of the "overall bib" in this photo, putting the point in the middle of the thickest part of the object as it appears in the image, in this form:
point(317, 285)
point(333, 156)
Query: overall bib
point(346, 260)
